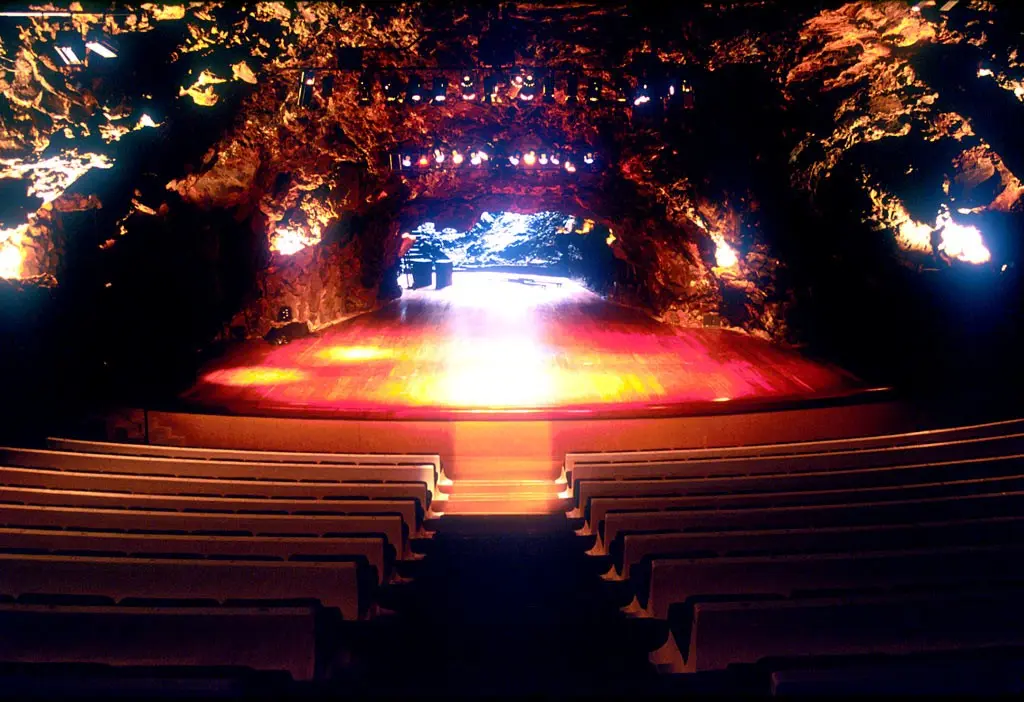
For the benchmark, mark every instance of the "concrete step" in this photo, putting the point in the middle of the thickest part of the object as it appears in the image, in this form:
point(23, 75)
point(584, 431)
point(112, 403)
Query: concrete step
point(447, 486)
point(508, 496)
point(528, 467)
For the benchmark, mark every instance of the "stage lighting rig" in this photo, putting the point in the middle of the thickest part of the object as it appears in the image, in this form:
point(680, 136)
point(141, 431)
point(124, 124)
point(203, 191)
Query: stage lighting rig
point(365, 88)
point(70, 48)
point(306, 83)
point(468, 87)
point(528, 86)
point(440, 89)
point(392, 89)
point(414, 92)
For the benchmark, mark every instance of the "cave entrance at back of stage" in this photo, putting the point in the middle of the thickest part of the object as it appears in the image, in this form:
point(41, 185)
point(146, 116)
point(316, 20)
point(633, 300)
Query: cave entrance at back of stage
point(538, 245)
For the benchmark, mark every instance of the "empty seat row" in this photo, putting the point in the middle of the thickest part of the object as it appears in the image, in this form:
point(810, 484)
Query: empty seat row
point(888, 441)
point(727, 633)
point(243, 536)
point(725, 544)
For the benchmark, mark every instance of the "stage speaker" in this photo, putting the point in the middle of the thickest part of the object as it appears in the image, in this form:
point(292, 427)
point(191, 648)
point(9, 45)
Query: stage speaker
point(422, 273)
point(444, 274)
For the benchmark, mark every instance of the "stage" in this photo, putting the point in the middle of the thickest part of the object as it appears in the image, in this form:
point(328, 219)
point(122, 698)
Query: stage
point(499, 345)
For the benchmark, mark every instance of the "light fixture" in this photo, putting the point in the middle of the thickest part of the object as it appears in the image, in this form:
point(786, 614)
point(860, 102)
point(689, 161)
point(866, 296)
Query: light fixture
point(554, 159)
point(440, 91)
point(528, 91)
point(588, 158)
point(643, 93)
point(548, 88)
point(365, 88)
point(543, 159)
point(468, 87)
point(423, 161)
point(306, 83)
point(102, 47)
point(414, 92)
point(439, 155)
point(456, 158)
point(518, 79)
point(594, 91)
point(569, 167)
point(474, 158)
point(572, 88)
point(406, 161)
point(70, 48)
point(530, 158)
point(622, 90)
point(514, 159)
point(392, 89)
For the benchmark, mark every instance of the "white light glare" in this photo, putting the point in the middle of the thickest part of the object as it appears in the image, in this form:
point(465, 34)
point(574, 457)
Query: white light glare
point(102, 49)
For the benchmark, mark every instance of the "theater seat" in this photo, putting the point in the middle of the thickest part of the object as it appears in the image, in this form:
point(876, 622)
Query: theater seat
point(728, 633)
point(260, 638)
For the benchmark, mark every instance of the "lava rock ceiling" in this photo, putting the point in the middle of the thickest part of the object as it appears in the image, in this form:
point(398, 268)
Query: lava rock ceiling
point(889, 125)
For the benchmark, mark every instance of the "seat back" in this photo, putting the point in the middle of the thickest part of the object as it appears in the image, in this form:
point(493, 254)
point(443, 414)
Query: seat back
point(728, 633)
point(815, 516)
point(54, 479)
point(676, 581)
point(1010, 445)
point(187, 503)
point(199, 468)
point(91, 518)
point(331, 584)
point(372, 549)
point(855, 478)
point(215, 454)
point(600, 507)
point(638, 548)
point(259, 638)
point(989, 429)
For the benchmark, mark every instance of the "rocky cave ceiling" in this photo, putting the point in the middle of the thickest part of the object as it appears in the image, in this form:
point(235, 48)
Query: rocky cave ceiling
point(897, 120)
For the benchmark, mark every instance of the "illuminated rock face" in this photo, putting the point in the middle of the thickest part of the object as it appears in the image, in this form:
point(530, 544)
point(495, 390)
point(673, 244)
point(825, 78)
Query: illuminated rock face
point(840, 114)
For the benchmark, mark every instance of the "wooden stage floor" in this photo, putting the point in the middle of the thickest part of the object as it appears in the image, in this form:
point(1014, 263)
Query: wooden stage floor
point(501, 345)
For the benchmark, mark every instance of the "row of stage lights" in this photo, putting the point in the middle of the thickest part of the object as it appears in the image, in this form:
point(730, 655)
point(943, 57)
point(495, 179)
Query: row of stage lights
point(524, 85)
point(441, 159)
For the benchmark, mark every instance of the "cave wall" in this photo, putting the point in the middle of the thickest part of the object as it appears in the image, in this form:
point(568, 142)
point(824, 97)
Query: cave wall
point(181, 188)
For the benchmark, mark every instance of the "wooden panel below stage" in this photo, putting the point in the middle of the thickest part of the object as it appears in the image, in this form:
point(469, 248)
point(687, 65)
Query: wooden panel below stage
point(526, 448)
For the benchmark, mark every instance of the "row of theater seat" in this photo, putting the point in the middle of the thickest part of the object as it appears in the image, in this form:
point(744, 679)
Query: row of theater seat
point(143, 555)
point(906, 544)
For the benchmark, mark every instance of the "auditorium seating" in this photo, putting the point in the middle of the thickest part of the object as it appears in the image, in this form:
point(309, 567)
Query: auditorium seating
point(794, 561)
point(154, 539)
point(766, 553)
